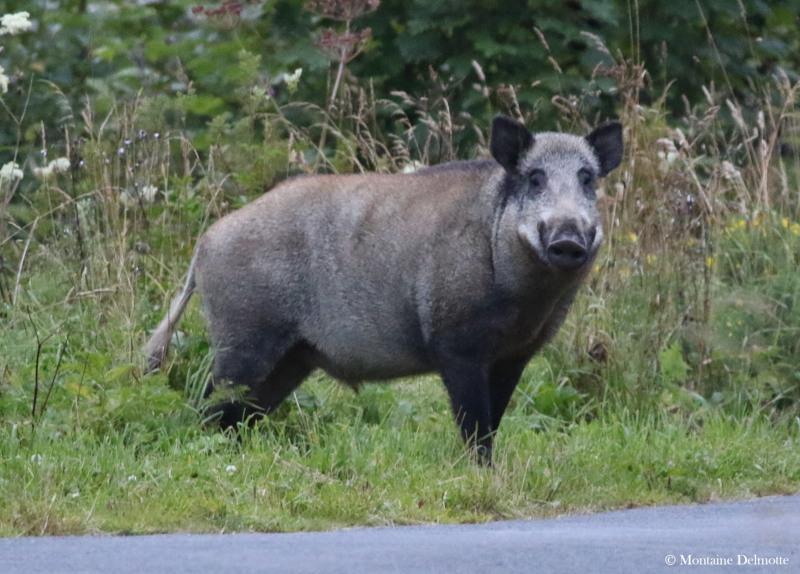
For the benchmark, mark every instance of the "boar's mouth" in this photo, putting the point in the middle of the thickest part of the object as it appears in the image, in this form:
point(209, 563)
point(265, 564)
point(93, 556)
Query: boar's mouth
point(566, 248)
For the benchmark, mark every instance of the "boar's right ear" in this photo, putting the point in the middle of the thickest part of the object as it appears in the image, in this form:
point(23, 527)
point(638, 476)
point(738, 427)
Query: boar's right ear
point(606, 141)
point(510, 139)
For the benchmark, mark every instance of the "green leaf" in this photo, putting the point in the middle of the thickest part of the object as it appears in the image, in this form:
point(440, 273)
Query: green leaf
point(673, 368)
point(119, 372)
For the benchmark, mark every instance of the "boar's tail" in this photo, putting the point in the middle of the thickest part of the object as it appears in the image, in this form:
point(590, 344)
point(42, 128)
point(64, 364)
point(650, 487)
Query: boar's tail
point(156, 348)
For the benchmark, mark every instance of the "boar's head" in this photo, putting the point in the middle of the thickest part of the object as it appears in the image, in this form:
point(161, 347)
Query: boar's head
point(550, 183)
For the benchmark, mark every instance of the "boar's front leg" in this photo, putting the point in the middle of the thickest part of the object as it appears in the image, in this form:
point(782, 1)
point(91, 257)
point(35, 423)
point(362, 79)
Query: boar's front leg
point(467, 383)
point(504, 377)
point(479, 394)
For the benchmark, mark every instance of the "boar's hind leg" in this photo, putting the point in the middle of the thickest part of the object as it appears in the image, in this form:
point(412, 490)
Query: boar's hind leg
point(270, 372)
point(467, 384)
point(294, 366)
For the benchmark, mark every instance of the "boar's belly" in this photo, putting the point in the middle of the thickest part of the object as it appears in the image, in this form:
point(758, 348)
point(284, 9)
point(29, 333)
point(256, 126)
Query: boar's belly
point(354, 359)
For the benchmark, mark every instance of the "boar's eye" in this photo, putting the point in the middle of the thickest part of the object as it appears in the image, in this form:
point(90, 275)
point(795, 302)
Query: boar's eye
point(538, 179)
point(586, 178)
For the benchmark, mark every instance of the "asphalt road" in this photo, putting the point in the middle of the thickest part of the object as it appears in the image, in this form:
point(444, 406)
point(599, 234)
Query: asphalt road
point(761, 535)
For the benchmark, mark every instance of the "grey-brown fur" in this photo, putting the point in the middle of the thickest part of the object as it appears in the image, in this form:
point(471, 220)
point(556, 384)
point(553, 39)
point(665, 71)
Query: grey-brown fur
point(465, 269)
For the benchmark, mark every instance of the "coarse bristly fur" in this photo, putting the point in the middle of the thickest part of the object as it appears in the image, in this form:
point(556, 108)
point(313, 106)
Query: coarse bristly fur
point(466, 269)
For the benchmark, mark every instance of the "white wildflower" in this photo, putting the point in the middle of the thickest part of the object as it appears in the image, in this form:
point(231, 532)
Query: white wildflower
point(3, 81)
point(60, 165)
point(293, 79)
point(127, 200)
point(668, 152)
point(148, 193)
point(145, 195)
point(10, 171)
point(42, 173)
point(15, 23)
point(260, 93)
point(230, 469)
point(413, 166)
point(730, 173)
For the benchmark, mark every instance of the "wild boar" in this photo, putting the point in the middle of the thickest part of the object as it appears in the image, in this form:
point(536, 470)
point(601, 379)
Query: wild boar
point(466, 269)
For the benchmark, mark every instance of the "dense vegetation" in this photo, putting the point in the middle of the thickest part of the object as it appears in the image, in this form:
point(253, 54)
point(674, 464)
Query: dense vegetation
point(200, 60)
point(127, 127)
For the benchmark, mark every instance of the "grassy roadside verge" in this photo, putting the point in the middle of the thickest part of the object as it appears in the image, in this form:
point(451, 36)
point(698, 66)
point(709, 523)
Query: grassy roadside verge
point(388, 457)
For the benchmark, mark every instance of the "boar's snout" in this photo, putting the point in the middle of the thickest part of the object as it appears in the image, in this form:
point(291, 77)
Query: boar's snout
point(567, 247)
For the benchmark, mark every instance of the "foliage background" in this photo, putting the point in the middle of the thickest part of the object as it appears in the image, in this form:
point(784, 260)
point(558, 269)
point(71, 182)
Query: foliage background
point(109, 51)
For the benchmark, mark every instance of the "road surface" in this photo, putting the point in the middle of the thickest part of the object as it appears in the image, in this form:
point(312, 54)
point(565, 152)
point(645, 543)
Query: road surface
point(761, 535)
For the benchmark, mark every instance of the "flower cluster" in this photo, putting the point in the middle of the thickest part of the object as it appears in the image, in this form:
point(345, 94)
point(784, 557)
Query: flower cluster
point(293, 79)
point(793, 227)
point(16, 23)
point(144, 196)
point(227, 15)
point(10, 172)
point(342, 46)
point(60, 165)
point(758, 222)
point(342, 10)
point(12, 24)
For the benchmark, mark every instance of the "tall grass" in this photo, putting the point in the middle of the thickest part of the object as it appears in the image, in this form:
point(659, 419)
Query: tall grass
point(676, 376)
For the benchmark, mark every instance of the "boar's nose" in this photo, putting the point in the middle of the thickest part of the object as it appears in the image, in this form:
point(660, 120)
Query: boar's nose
point(567, 248)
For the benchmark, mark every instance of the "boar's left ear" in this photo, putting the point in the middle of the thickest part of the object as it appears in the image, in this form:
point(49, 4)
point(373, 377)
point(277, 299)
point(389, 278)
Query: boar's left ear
point(510, 139)
point(606, 141)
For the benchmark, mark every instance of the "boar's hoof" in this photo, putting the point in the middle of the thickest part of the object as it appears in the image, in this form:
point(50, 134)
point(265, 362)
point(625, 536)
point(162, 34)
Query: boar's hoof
point(483, 454)
point(567, 254)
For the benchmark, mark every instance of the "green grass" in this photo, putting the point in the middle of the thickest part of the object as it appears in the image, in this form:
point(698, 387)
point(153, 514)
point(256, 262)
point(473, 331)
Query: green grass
point(387, 456)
